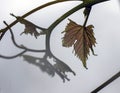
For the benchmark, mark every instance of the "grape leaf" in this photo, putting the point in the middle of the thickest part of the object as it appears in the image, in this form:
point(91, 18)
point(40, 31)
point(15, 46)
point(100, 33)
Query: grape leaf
point(81, 38)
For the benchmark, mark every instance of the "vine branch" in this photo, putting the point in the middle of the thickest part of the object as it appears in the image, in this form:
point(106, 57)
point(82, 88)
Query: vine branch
point(87, 3)
point(4, 30)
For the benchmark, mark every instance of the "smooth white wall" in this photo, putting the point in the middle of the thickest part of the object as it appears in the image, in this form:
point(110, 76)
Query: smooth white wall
point(17, 76)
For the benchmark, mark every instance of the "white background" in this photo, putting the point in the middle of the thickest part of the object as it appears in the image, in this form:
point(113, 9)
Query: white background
point(17, 76)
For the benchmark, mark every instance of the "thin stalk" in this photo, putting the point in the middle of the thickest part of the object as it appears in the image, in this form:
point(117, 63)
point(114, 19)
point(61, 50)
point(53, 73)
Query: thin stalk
point(86, 19)
point(117, 75)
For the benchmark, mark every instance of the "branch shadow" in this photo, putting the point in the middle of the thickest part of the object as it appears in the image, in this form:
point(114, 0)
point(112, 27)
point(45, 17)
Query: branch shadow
point(59, 68)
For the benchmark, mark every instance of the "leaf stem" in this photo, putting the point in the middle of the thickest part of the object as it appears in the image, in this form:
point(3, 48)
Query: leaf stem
point(86, 19)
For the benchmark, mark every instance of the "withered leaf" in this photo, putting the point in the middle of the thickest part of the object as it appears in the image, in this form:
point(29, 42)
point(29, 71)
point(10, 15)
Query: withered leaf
point(30, 28)
point(81, 38)
point(71, 31)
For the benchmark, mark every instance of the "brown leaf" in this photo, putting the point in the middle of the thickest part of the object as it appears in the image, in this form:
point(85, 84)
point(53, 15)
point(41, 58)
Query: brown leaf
point(81, 38)
point(71, 31)
point(30, 28)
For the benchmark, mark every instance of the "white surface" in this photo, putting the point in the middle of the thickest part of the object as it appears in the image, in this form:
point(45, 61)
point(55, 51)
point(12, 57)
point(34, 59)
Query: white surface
point(17, 76)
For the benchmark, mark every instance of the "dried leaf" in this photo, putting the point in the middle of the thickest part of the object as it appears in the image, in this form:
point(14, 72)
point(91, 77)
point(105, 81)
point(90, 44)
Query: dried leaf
point(71, 31)
point(81, 38)
point(30, 28)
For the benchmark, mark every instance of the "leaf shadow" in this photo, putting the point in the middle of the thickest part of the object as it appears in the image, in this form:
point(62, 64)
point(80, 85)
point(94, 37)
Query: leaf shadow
point(59, 68)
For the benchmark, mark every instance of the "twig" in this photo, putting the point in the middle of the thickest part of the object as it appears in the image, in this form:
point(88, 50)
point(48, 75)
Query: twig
point(107, 82)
